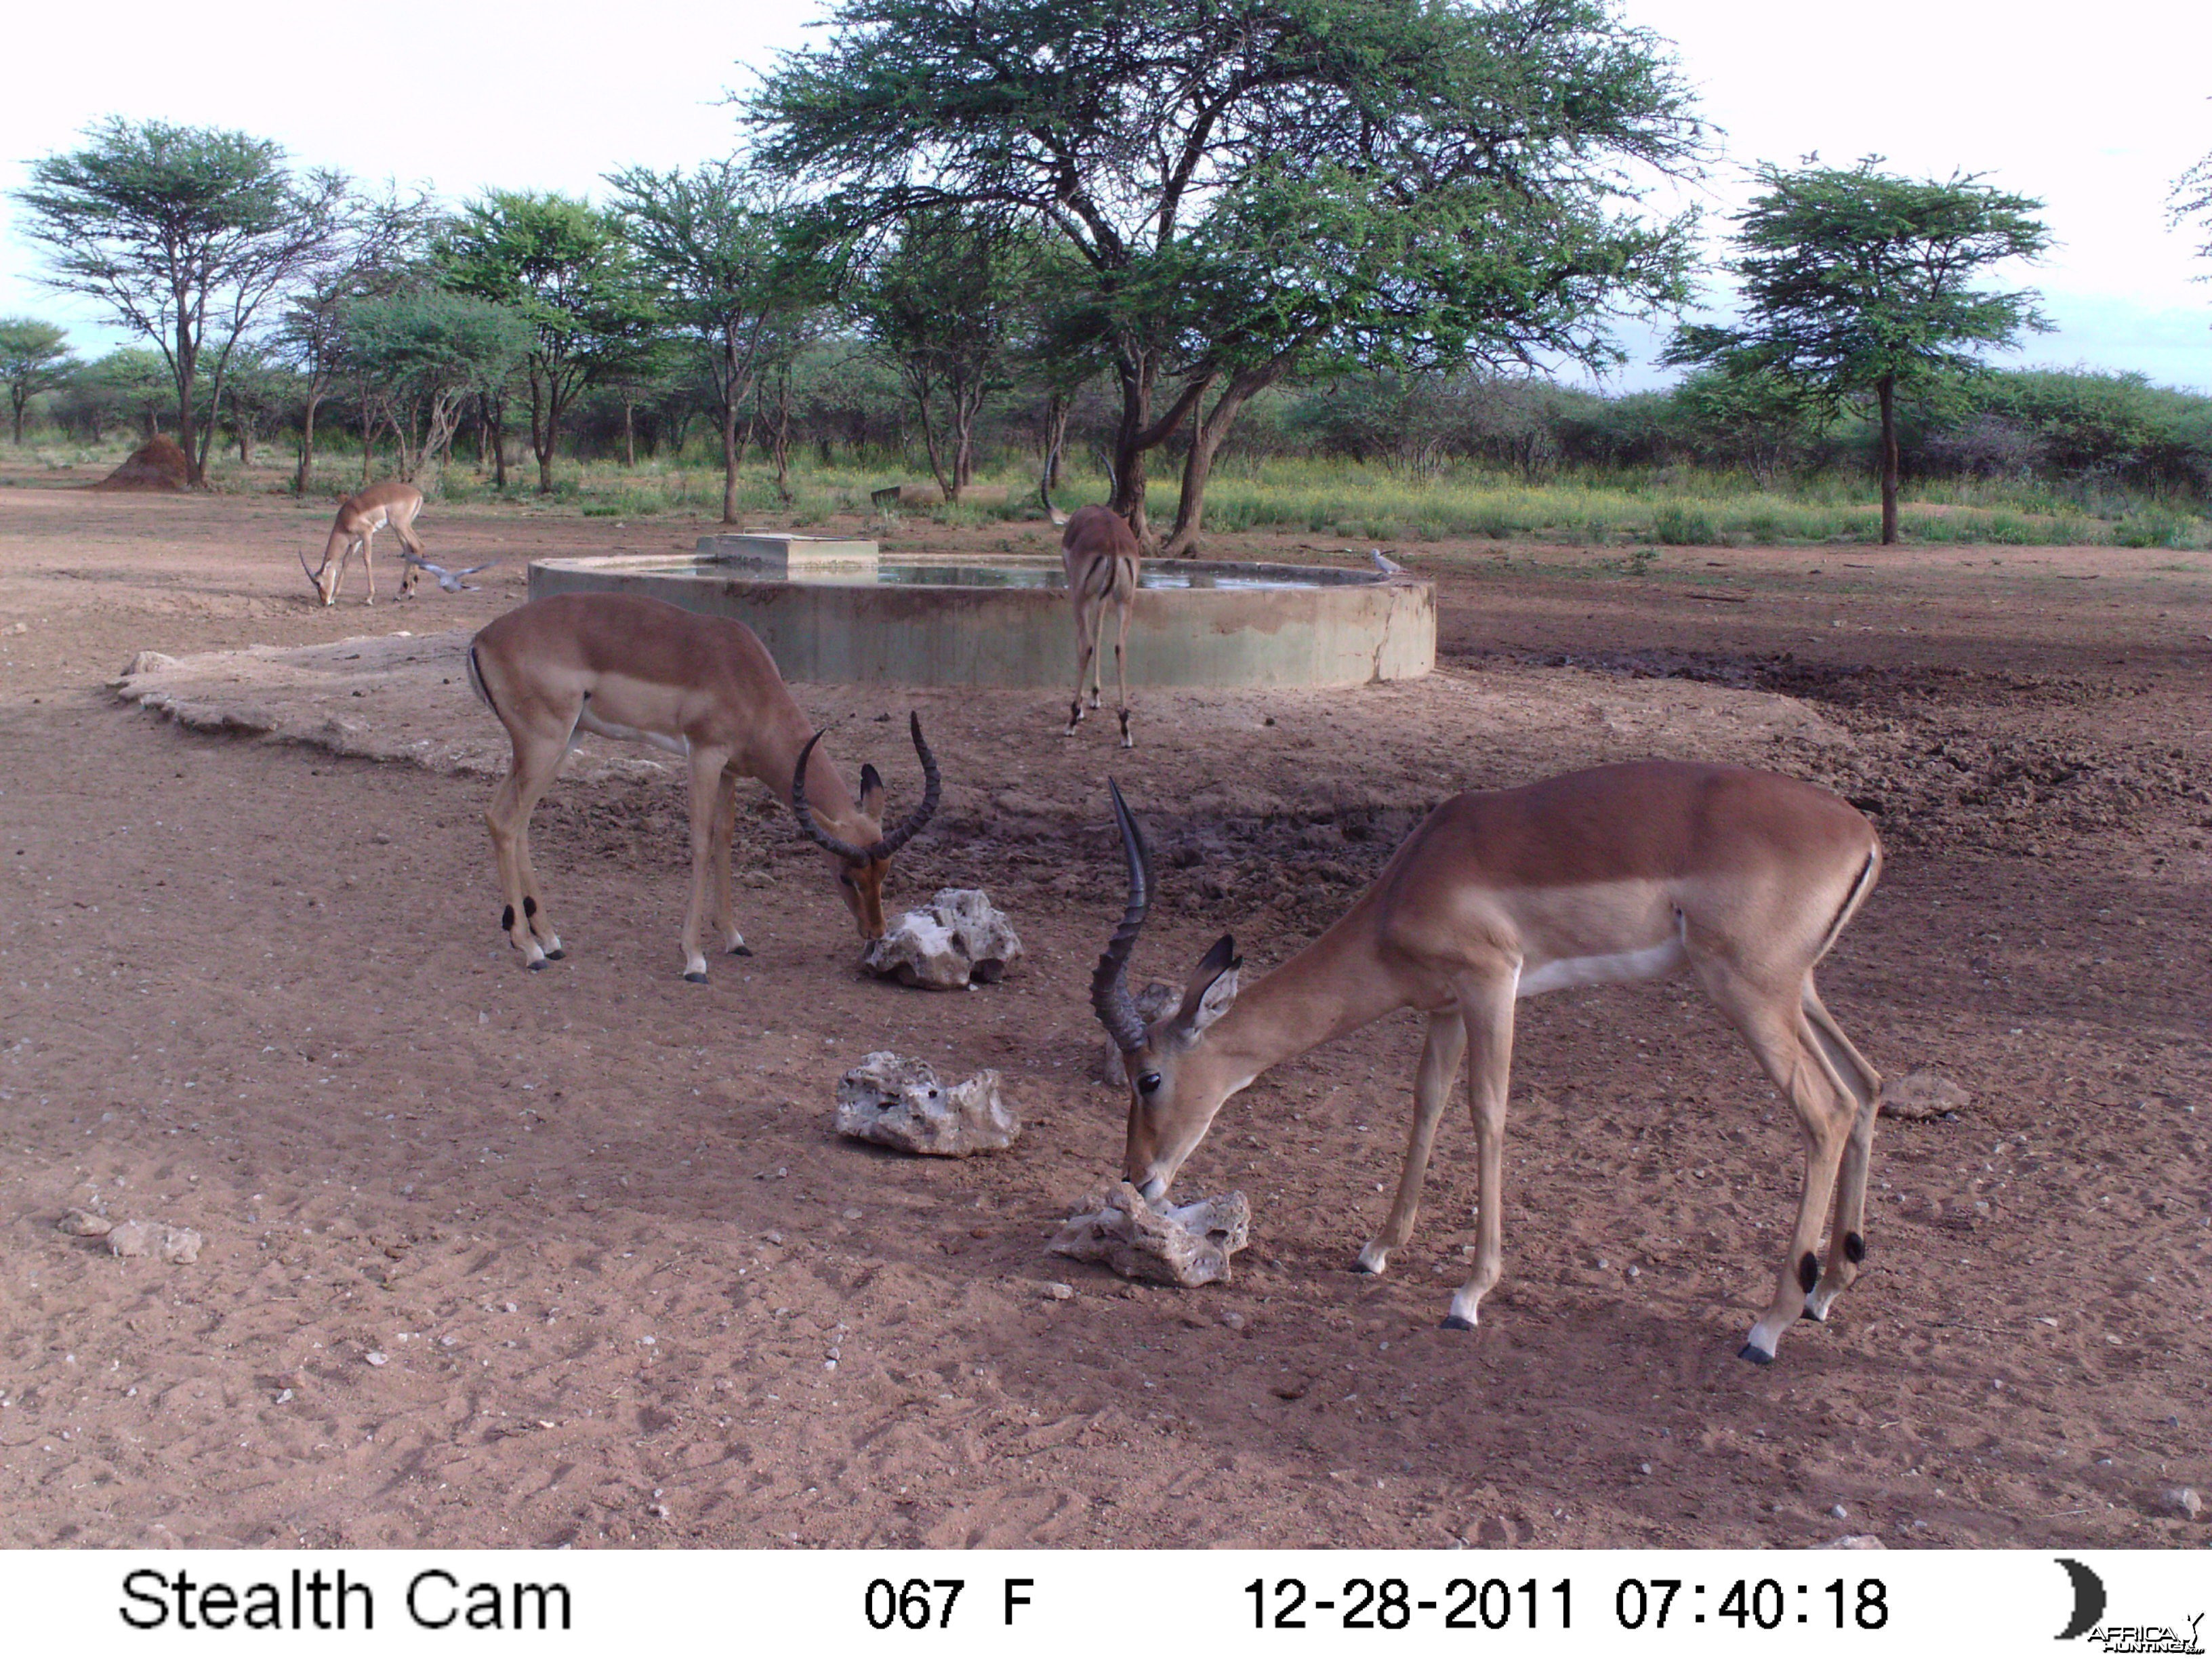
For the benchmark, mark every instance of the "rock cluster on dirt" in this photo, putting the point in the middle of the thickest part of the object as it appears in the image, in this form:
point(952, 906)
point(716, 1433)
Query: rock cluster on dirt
point(900, 1102)
point(1159, 997)
point(1187, 1244)
point(961, 939)
point(84, 1224)
point(159, 464)
point(1922, 1095)
point(173, 1244)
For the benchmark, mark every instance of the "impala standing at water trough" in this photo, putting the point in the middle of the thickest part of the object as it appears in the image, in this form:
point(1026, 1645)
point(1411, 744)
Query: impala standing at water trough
point(1101, 554)
point(380, 506)
point(1621, 872)
point(622, 665)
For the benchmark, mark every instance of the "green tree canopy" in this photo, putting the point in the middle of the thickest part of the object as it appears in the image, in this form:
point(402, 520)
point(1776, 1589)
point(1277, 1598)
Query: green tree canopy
point(423, 354)
point(716, 245)
point(567, 268)
point(1858, 284)
point(945, 304)
point(185, 233)
point(35, 357)
point(1252, 184)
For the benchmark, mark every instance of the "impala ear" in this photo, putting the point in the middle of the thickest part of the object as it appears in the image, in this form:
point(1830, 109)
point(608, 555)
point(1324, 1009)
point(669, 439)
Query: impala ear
point(871, 793)
point(1212, 987)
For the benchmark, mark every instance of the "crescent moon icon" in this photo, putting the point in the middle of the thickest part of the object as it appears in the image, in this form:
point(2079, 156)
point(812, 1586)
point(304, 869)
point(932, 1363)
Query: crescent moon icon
point(2088, 1599)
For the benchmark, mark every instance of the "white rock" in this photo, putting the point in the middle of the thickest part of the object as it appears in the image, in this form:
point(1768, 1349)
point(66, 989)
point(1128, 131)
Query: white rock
point(1187, 1244)
point(1853, 1540)
point(1923, 1094)
point(900, 1102)
point(1157, 997)
point(143, 662)
point(962, 939)
point(2182, 1501)
point(83, 1223)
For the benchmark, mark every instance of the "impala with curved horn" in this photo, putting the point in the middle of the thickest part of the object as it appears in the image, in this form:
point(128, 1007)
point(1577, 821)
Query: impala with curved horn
point(1621, 872)
point(1101, 555)
point(623, 665)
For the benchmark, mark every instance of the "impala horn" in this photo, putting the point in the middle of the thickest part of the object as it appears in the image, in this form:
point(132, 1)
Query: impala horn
point(1044, 486)
point(1109, 991)
point(908, 830)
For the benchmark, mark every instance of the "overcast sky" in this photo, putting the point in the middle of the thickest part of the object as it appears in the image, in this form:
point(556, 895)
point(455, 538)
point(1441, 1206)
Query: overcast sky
point(2096, 109)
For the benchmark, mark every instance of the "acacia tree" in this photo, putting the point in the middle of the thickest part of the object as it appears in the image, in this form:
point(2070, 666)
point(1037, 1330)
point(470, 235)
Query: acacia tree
point(1253, 185)
point(421, 356)
point(716, 244)
point(944, 305)
point(566, 267)
point(185, 233)
point(1858, 284)
point(375, 245)
point(35, 357)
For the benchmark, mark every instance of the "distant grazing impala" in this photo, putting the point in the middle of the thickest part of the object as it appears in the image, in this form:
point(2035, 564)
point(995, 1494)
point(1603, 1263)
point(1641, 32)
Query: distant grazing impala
point(1101, 554)
point(700, 687)
point(1621, 872)
point(380, 506)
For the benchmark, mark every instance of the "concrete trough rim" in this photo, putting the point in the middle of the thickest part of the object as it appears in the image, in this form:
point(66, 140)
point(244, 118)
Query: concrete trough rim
point(1336, 627)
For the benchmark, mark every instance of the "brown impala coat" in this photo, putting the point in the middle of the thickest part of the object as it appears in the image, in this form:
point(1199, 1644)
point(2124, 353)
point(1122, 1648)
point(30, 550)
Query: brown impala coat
point(702, 687)
point(1619, 872)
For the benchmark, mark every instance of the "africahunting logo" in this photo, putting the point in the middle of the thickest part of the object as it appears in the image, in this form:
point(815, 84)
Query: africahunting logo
point(2085, 1624)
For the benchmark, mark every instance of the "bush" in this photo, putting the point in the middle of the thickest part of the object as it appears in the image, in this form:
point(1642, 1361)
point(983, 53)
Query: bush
point(1678, 525)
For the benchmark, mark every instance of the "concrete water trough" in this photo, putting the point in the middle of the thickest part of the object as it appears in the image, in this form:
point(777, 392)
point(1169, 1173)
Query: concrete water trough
point(839, 612)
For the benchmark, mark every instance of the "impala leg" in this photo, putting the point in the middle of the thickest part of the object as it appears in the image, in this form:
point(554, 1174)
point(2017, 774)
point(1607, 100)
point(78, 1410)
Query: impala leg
point(1097, 652)
point(1121, 675)
point(1487, 1012)
point(1433, 1082)
point(1850, 1073)
point(412, 576)
point(724, 832)
point(1772, 1023)
point(535, 765)
point(706, 810)
point(1086, 648)
point(368, 562)
point(534, 895)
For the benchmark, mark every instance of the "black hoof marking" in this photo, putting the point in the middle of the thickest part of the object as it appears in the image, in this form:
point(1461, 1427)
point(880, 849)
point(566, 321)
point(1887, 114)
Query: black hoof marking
point(1818, 1319)
point(1854, 1248)
point(1361, 1266)
point(555, 955)
point(529, 905)
point(695, 979)
point(1453, 1322)
point(1756, 1356)
point(741, 950)
point(1808, 1271)
point(538, 966)
point(507, 920)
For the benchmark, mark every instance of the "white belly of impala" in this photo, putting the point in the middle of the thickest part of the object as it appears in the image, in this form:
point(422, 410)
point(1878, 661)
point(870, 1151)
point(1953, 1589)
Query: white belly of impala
point(1564, 971)
point(590, 722)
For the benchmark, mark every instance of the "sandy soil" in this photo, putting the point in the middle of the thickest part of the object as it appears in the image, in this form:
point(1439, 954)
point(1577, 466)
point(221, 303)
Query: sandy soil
point(626, 1286)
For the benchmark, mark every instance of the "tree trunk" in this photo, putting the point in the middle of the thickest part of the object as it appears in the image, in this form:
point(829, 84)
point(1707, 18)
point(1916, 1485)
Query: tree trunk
point(629, 436)
point(1206, 439)
point(730, 454)
point(544, 417)
point(187, 363)
point(19, 399)
point(1057, 408)
point(1886, 388)
point(304, 476)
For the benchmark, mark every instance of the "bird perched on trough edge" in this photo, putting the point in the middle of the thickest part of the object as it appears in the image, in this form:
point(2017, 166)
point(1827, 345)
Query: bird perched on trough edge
point(1383, 562)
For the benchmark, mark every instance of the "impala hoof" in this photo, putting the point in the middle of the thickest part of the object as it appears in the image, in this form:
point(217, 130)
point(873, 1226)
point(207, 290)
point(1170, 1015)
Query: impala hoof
point(695, 979)
point(1453, 1322)
point(1813, 1314)
point(555, 954)
point(741, 950)
point(538, 966)
point(1754, 1353)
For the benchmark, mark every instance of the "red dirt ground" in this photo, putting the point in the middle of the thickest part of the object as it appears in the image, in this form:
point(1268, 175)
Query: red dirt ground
point(629, 1288)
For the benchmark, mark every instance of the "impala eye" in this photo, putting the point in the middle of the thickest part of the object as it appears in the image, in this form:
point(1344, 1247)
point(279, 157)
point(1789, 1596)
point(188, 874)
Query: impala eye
point(1148, 1084)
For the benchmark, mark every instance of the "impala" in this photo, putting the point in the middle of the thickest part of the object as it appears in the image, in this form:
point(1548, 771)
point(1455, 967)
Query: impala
point(380, 506)
point(1621, 872)
point(1101, 554)
point(701, 687)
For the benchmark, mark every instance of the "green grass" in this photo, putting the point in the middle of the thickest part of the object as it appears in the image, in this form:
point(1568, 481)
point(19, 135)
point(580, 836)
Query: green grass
point(1329, 501)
